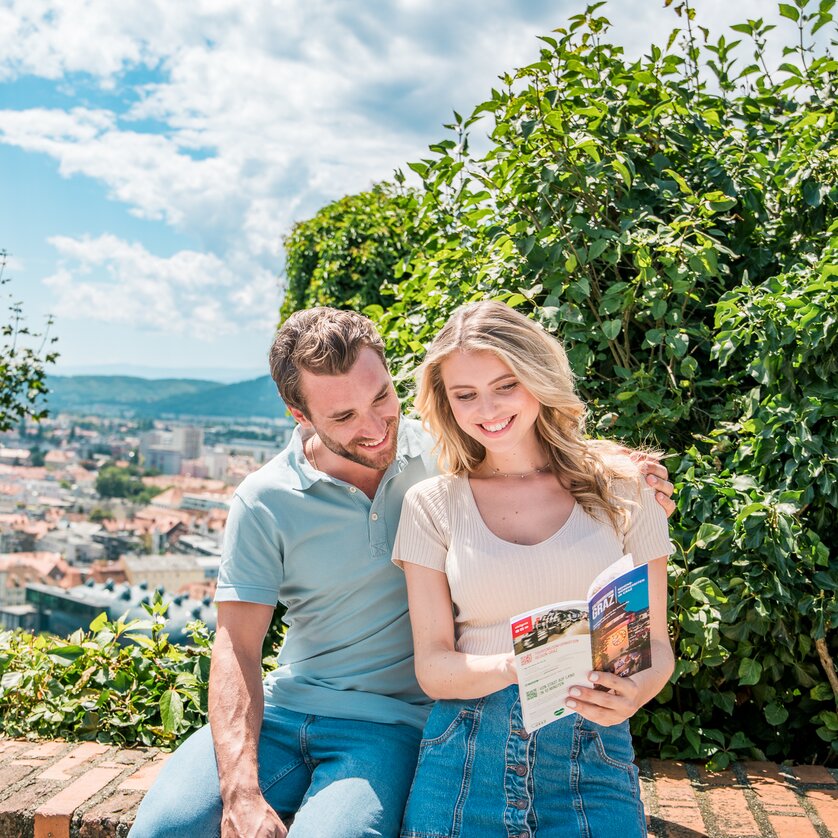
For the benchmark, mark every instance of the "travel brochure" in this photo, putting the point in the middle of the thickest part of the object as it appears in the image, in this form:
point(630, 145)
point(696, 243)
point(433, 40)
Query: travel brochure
point(557, 645)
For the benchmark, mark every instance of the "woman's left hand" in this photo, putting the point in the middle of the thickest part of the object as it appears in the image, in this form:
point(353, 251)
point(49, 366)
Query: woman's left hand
point(620, 702)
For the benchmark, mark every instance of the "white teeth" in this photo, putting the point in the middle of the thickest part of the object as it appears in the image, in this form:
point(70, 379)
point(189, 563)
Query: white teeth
point(373, 444)
point(497, 427)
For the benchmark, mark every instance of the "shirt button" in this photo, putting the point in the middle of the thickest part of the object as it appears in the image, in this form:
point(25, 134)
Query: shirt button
point(374, 516)
point(522, 734)
point(521, 770)
point(352, 489)
point(520, 804)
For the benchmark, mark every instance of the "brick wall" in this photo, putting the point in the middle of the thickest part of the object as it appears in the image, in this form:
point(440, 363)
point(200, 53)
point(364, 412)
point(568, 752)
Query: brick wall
point(83, 790)
point(87, 790)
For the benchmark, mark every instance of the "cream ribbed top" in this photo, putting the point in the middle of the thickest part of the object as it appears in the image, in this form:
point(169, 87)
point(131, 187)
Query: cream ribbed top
point(491, 579)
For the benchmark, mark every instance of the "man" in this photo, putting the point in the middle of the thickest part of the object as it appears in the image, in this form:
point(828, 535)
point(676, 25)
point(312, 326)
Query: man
point(333, 733)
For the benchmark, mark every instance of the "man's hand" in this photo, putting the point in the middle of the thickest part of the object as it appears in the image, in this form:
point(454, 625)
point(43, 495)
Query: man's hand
point(657, 477)
point(251, 817)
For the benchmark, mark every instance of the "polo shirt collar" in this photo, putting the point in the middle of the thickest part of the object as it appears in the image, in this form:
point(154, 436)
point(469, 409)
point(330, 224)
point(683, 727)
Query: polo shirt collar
point(412, 442)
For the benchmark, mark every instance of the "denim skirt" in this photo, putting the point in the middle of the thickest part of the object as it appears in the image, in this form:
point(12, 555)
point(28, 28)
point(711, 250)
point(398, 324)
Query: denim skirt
point(481, 775)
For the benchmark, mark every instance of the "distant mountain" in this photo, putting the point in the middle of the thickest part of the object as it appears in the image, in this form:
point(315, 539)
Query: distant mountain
point(257, 397)
point(221, 375)
point(110, 395)
point(107, 393)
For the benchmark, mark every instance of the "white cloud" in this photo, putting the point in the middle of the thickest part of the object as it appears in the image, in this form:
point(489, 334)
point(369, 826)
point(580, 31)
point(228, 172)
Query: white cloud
point(115, 281)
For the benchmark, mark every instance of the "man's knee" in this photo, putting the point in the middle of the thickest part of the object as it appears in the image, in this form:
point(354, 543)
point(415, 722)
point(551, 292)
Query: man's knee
point(185, 799)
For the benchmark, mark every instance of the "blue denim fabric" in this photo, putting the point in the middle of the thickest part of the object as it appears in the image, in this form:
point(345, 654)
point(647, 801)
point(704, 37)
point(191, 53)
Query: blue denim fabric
point(480, 775)
point(343, 778)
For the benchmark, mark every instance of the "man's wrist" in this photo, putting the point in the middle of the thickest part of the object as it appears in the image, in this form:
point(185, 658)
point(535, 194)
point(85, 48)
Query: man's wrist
point(238, 792)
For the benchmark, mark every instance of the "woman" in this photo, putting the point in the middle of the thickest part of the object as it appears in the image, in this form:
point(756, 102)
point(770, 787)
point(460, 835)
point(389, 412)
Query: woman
point(528, 513)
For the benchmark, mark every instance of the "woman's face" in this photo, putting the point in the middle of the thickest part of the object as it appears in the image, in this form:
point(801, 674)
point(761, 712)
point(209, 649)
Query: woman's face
point(488, 401)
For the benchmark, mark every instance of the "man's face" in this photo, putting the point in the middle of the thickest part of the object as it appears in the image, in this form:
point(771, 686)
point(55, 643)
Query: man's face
point(356, 415)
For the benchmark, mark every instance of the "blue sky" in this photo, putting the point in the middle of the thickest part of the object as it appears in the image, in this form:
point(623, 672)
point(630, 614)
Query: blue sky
point(153, 154)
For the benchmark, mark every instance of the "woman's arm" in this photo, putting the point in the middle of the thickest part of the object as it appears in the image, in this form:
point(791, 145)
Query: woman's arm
point(441, 671)
point(626, 695)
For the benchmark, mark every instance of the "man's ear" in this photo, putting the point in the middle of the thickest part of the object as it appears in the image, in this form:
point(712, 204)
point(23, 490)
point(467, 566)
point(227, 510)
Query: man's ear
point(299, 417)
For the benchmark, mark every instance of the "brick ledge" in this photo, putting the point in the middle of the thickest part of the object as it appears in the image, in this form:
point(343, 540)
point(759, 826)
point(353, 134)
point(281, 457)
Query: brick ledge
point(53, 789)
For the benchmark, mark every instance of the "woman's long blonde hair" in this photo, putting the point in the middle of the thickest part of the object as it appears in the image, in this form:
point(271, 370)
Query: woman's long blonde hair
point(585, 467)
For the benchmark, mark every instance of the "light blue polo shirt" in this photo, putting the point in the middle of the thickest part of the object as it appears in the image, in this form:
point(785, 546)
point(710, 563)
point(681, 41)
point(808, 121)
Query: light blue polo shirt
point(322, 548)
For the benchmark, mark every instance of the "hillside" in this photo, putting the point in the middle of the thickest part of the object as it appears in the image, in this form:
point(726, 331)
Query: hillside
point(257, 397)
point(112, 395)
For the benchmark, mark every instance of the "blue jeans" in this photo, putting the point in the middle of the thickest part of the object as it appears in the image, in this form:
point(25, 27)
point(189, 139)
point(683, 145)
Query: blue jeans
point(342, 778)
point(481, 775)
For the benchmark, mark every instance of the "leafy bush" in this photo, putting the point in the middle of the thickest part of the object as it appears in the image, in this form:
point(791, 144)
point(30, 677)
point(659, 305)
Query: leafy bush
point(346, 252)
point(113, 684)
point(682, 239)
point(24, 355)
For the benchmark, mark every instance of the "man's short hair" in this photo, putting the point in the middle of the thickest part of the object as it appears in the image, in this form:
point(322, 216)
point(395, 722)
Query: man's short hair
point(322, 341)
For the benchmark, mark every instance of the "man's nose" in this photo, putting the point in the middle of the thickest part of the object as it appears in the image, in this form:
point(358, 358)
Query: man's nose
point(375, 425)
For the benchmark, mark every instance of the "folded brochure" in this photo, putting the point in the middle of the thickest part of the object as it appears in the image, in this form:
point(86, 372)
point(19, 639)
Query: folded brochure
point(557, 645)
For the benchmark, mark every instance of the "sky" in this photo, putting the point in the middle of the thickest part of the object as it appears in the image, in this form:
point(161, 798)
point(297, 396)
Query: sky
point(153, 154)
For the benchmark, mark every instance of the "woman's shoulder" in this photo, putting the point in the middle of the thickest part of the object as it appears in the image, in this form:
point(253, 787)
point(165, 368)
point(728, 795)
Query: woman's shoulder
point(623, 471)
point(433, 489)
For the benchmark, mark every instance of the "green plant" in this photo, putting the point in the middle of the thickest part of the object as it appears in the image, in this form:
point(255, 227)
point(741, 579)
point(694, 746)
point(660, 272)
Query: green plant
point(344, 255)
point(22, 366)
point(113, 684)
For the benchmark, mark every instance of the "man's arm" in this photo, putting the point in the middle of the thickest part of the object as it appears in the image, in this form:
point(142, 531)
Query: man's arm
point(236, 707)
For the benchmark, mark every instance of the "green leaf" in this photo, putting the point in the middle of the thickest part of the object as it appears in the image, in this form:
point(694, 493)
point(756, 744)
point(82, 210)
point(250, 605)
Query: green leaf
point(722, 204)
point(707, 534)
point(812, 193)
point(654, 336)
point(750, 671)
point(611, 328)
point(789, 11)
point(71, 652)
point(421, 169)
point(171, 710)
point(821, 692)
point(142, 640)
point(623, 171)
point(682, 184)
point(596, 249)
point(775, 714)
point(99, 622)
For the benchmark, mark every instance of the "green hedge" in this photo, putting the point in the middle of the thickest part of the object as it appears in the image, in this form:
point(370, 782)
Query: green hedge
point(121, 682)
point(674, 219)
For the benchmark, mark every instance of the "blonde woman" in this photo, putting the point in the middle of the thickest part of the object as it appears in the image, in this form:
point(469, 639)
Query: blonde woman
point(527, 512)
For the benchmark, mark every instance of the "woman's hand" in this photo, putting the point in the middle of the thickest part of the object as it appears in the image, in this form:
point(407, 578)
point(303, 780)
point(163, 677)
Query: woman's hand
point(621, 701)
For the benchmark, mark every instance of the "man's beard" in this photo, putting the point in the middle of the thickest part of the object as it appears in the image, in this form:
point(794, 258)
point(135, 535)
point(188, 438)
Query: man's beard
point(380, 461)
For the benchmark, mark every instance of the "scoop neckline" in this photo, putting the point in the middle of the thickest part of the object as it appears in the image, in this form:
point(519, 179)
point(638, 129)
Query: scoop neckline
point(503, 541)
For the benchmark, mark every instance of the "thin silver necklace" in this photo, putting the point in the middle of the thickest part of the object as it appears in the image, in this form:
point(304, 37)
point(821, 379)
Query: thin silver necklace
point(522, 475)
point(311, 451)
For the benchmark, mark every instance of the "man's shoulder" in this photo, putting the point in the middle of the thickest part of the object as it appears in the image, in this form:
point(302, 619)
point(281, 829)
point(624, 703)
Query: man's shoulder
point(276, 477)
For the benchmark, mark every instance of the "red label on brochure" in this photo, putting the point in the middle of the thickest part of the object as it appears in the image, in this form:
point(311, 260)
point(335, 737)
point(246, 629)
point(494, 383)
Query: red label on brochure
point(522, 627)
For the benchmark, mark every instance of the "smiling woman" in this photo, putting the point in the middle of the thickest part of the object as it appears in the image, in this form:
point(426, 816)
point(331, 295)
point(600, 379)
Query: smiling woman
point(529, 512)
